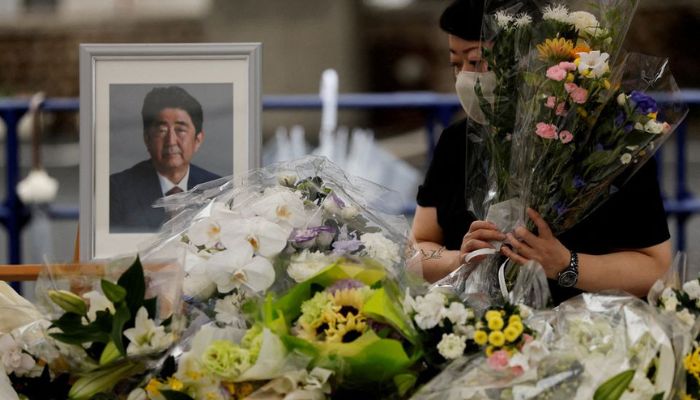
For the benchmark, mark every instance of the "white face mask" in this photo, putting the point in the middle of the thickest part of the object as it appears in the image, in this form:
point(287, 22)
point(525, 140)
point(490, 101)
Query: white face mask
point(465, 91)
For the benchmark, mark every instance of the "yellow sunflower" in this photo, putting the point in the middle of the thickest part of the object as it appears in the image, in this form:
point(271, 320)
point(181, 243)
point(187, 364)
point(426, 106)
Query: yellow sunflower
point(556, 50)
point(350, 301)
point(348, 330)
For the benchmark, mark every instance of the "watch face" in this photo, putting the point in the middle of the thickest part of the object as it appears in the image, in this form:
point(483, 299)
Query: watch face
point(568, 278)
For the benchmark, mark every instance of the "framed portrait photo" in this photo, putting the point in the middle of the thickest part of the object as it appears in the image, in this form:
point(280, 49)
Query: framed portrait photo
point(158, 119)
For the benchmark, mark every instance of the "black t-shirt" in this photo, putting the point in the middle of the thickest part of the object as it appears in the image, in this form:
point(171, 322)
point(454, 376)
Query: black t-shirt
point(631, 218)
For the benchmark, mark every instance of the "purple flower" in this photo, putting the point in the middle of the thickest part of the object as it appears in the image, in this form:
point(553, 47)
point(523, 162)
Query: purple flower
point(559, 208)
point(320, 236)
point(578, 182)
point(344, 284)
point(346, 246)
point(643, 103)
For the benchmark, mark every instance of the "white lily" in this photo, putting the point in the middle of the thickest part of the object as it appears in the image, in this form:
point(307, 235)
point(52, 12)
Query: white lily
point(16, 310)
point(593, 64)
point(281, 205)
point(146, 337)
point(237, 267)
point(266, 238)
point(98, 302)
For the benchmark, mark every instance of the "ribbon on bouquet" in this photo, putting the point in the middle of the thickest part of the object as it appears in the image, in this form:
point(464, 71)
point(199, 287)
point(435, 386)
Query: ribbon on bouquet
point(501, 269)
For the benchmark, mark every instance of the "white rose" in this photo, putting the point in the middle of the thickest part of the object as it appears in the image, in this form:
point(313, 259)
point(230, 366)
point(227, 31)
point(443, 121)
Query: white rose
point(692, 288)
point(584, 22)
point(451, 346)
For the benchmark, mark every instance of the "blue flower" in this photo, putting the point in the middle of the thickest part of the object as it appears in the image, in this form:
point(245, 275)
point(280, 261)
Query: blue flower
point(578, 182)
point(559, 208)
point(643, 103)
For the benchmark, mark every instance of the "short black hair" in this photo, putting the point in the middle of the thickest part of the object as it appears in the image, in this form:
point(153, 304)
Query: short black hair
point(170, 97)
point(463, 19)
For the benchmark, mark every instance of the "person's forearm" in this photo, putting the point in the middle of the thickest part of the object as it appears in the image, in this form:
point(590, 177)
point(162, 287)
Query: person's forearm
point(631, 271)
point(437, 261)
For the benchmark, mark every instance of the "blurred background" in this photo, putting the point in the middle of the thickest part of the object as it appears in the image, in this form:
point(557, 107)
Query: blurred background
point(376, 46)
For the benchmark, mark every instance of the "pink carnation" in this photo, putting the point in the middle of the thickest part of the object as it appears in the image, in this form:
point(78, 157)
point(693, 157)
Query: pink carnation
point(579, 95)
point(547, 131)
point(565, 136)
point(570, 87)
point(567, 66)
point(551, 101)
point(561, 109)
point(556, 73)
point(498, 360)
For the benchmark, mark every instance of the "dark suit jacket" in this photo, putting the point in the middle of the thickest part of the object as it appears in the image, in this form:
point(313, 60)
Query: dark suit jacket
point(132, 193)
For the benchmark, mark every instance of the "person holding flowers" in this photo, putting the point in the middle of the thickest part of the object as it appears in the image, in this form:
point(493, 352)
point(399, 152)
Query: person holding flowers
point(624, 244)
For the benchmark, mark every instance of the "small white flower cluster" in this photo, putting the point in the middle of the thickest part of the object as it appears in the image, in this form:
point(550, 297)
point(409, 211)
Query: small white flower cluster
point(505, 19)
point(432, 310)
point(583, 21)
point(377, 246)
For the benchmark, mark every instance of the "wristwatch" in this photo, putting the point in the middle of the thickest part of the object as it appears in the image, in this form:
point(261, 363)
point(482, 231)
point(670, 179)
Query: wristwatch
point(569, 276)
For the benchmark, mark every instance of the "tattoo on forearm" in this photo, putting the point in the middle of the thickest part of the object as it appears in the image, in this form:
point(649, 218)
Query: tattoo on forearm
point(432, 254)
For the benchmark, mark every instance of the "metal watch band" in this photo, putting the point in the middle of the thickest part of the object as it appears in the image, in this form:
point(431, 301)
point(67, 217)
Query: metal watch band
point(569, 276)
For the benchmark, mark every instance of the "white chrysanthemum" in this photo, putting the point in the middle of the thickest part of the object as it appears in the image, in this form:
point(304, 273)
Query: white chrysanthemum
point(456, 313)
point(307, 264)
point(467, 331)
point(380, 248)
point(557, 12)
point(584, 22)
point(523, 20)
point(686, 317)
point(503, 19)
point(692, 288)
point(98, 302)
point(669, 299)
point(593, 64)
point(626, 158)
point(145, 337)
point(653, 126)
point(451, 346)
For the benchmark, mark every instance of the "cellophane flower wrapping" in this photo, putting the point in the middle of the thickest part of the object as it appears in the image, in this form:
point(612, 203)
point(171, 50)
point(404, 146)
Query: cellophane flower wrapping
point(96, 328)
point(263, 251)
point(579, 349)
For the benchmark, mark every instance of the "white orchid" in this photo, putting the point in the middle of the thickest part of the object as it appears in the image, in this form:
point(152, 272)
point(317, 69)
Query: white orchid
point(281, 205)
point(13, 359)
point(266, 238)
point(205, 232)
point(237, 267)
point(593, 64)
point(98, 302)
point(146, 337)
point(197, 284)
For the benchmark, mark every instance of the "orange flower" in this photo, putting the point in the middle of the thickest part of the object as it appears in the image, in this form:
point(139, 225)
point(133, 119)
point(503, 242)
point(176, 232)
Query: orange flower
point(581, 47)
point(556, 50)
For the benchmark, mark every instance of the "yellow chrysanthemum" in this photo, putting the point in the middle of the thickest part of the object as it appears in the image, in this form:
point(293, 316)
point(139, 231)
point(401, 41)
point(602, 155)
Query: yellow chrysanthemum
point(175, 384)
point(348, 330)
point(497, 338)
point(511, 334)
point(153, 387)
point(691, 362)
point(514, 318)
point(491, 314)
point(480, 337)
point(518, 326)
point(496, 324)
point(556, 50)
point(686, 396)
point(489, 351)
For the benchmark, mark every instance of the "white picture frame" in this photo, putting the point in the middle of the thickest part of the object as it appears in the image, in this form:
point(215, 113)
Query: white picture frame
point(223, 77)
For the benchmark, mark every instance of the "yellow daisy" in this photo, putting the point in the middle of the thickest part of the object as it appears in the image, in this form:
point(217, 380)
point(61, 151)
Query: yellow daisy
point(556, 50)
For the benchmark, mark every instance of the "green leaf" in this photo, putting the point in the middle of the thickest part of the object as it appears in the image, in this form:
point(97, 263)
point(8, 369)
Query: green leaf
point(174, 395)
point(150, 305)
point(133, 279)
point(121, 317)
point(404, 382)
point(658, 396)
point(113, 292)
point(613, 388)
point(380, 307)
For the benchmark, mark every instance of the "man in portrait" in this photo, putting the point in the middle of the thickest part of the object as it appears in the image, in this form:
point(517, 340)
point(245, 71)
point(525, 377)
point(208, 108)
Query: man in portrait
point(172, 133)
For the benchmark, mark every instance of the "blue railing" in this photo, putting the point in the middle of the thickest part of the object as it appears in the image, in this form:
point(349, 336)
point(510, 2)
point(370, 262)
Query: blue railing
point(439, 110)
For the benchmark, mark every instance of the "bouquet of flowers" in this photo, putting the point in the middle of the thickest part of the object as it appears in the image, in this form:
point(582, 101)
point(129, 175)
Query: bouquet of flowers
point(97, 338)
point(602, 346)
